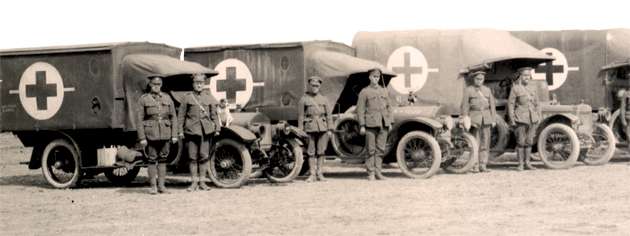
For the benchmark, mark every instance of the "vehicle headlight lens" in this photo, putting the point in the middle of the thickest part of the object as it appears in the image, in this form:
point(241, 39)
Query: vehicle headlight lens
point(448, 122)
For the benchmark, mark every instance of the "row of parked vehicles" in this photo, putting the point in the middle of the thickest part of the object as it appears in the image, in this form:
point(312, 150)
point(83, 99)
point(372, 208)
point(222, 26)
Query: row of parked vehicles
point(69, 102)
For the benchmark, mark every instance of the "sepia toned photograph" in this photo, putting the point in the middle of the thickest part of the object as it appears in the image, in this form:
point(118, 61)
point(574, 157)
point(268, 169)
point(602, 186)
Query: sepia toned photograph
point(314, 117)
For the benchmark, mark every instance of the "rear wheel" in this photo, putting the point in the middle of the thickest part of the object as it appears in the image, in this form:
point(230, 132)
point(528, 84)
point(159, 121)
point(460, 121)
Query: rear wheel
point(558, 146)
point(464, 153)
point(418, 155)
point(230, 164)
point(603, 147)
point(499, 136)
point(285, 162)
point(347, 141)
point(60, 164)
point(122, 176)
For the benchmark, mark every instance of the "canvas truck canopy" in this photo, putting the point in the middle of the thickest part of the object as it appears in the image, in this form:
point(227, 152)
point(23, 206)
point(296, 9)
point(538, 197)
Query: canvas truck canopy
point(177, 80)
point(271, 78)
point(580, 55)
point(431, 63)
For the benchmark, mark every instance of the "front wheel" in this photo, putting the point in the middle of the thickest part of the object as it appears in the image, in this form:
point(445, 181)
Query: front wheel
point(464, 153)
point(230, 164)
point(60, 164)
point(418, 155)
point(603, 148)
point(618, 130)
point(559, 146)
point(347, 141)
point(285, 162)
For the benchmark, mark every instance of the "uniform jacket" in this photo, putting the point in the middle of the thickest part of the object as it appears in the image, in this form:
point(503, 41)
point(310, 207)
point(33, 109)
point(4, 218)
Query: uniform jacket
point(523, 105)
point(198, 114)
point(157, 119)
point(478, 103)
point(314, 113)
point(624, 109)
point(374, 108)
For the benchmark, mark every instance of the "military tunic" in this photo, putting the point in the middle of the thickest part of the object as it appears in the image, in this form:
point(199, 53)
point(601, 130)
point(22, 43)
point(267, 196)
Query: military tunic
point(199, 121)
point(157, 123)
point(315, 118)
point(524, 109)
point(375, 112)
point(479, 104)
point(624, 112)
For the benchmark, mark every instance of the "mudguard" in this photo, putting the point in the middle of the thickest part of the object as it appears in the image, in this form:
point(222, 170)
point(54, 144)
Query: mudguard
point(238, 132)
point(434, 124)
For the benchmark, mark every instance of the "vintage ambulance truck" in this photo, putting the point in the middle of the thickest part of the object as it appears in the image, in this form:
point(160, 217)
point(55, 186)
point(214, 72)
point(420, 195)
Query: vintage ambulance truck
point(271, 78)
point(433, 65)
point(69, 102)
point(582, 57)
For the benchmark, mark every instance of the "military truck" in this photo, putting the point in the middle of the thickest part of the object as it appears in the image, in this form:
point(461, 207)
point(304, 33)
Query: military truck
point(580, 56)
point(69, 102)
point(271, 78)
point(432, 64)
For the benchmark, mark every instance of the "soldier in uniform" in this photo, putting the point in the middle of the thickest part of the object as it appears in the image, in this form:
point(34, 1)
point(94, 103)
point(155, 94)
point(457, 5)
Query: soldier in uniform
point(157, 126)
point(315, 118)
point(199, 123)
point(479, 105)
point(375, 114)
point(525, 113)
point(624, 112)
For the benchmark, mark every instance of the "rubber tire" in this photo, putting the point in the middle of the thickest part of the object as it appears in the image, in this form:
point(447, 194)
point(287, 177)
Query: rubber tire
point(75, 157)
point(299, 161)
point(471, 162)
point(337, 143)
point(502, 131)
point(573, 138)
point(245, 158)
point(124, 180)
point(435, 147)
point(610, 136)
point(615, 125)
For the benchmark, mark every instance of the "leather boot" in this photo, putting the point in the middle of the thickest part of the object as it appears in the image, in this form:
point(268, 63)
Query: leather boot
point(320, 168)
point(194, 176)
point(312, 169)
point(520, 152)
point(483, 161)
point(528, 158)
point(152, 171)
point(162, 178)
point(371, 176)
point(203, 172)
point(378, 162)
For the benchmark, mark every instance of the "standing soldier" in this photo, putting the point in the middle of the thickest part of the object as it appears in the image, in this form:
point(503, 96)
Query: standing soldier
point(374, 110)
point(199, 122)
point(315, 118)
point(624, 112)
point(478, 104)
point(157, 125)
point(525, 113)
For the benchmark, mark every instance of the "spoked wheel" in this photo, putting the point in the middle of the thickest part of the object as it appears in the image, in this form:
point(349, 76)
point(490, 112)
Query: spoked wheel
point(558, 146)
point(230, 165)
point(348, 142)
point(285, 162)
point(464, 153)
point(617, 127)
point(122, 176)
point(60, 164)
point(418, 155)
point(603, 147)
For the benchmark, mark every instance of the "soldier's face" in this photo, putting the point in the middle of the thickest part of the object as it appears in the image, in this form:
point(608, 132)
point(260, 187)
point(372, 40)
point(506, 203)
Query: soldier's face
point(374, 77)
point(315, 87)
point(526, 76)
point(479, 80)
point(198, 86)
point(155, 87)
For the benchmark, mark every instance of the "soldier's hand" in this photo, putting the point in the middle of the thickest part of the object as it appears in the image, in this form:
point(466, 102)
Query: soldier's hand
point(216, 133)
point(389, 128)
point(173, 140)
point(330, 133)
point(512, 123)
point(624, 122)
point(362, 130)
point(494, 124)
point(144, 143)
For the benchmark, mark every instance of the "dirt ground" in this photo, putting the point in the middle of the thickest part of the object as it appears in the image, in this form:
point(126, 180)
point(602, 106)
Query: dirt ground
point(580, 201)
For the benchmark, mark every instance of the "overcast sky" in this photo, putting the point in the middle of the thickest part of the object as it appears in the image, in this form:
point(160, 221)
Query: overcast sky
point(183, 23)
